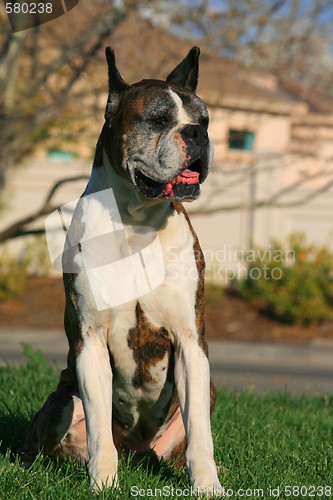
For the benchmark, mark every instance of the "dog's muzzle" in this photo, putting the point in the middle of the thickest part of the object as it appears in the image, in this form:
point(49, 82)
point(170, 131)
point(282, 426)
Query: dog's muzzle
point(185, 186)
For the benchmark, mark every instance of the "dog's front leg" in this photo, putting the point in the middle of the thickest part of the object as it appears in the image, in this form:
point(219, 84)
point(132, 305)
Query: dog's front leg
point(95, 384)
point(192, 380)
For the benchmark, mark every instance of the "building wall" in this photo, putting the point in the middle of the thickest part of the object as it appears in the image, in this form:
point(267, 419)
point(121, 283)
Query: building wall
point(272, 132)
point(28, 185)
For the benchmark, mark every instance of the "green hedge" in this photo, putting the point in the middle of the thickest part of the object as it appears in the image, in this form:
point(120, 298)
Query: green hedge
point(13, 273)
point(15, 268)
point(299, 291)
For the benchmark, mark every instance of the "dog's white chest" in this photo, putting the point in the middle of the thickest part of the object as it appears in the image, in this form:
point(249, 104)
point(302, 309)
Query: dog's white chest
point(167, 305)
point(139, 333)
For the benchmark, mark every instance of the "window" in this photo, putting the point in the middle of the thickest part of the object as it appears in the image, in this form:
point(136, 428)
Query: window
point(58, 155)
point(241, 139)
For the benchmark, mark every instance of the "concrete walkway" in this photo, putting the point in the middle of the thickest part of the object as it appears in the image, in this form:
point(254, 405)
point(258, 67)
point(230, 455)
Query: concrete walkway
point(261, 367)
point(301, 369)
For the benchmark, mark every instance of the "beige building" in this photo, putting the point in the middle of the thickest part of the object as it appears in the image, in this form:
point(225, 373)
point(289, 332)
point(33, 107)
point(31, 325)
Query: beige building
point(273, 151)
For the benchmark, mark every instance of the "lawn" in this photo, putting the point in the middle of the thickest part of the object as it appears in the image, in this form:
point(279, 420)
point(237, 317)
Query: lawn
point(270, 446)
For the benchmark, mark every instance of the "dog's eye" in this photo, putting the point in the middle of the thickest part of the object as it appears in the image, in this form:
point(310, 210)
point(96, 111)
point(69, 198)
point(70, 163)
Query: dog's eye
point(160, 120)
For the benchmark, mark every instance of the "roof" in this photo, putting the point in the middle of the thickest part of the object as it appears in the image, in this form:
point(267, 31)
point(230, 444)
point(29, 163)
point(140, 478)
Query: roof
point(143, 50)
point(146, 51)
point(318, 102)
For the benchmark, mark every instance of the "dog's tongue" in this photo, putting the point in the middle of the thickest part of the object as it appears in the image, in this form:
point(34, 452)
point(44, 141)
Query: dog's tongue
point(191, 177)
point(186, 177)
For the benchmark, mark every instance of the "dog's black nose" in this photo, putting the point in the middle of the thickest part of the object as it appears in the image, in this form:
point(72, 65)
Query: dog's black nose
point(197, 133)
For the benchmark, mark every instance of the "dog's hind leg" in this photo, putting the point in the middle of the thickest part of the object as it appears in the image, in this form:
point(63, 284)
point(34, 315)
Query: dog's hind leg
point(171, 445)
point(58, 429)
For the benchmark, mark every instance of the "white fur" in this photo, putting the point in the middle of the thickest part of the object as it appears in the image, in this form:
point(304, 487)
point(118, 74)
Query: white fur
point(171, 304)
point(95, 384)
point(183, 117)
point(192, 382)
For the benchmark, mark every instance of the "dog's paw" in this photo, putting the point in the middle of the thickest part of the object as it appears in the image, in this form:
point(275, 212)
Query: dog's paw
point(103, 474)
point(100, 481)
point(211, 490)
point(203, 475)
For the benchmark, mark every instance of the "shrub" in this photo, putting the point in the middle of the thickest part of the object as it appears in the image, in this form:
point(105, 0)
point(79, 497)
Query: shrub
point(37, 256)
point(213, 293)
point(14, 268)
point(13, 273)
point(303, 293)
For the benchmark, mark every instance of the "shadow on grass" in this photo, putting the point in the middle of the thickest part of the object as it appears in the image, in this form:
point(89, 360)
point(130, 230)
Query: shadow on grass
point(22, 390)
point(13, 429)
point(151, 465)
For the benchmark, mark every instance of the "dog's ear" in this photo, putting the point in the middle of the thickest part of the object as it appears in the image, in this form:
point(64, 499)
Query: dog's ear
point(116, 84)
point(186, 73)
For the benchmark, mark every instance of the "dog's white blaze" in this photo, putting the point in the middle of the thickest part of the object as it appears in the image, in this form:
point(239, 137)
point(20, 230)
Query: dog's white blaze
point(183, 117)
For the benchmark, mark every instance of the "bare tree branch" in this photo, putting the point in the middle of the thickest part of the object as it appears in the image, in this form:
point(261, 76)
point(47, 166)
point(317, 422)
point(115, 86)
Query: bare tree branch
point(269, 202)
point(19, 228)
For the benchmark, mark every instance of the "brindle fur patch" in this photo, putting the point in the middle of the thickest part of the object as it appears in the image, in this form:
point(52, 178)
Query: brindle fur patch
point(72, 321)
point(149, 345)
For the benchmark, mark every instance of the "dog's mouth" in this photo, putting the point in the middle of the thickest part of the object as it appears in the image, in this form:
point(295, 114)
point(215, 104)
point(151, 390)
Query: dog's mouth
point(185, 187)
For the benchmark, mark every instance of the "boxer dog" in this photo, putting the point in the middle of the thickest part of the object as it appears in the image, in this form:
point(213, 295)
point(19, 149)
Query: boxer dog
point(137, 379)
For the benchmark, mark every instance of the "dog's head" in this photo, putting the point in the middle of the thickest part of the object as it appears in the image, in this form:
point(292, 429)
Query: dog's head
point(157, 131)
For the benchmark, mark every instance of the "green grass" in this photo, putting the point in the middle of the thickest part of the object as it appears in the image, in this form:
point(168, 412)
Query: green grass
point(260, 441)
